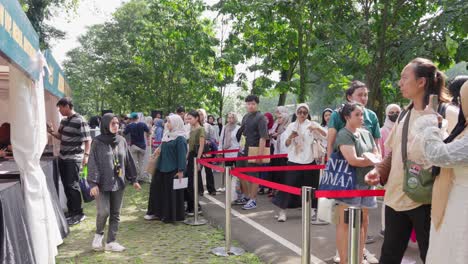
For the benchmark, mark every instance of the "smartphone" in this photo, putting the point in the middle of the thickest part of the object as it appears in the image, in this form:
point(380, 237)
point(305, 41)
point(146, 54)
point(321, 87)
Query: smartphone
point(434, 102)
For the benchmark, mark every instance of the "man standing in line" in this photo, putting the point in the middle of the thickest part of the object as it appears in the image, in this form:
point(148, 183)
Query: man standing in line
point(138, 132)
point(254, 129)
point(73, 133)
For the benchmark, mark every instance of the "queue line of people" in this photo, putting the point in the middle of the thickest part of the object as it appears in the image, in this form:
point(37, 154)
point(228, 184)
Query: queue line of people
point(353, 130)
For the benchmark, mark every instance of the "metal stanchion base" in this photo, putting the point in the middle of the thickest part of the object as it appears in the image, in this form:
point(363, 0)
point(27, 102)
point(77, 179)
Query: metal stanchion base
point(221, 251)
point(319, 223)
point(192, 222)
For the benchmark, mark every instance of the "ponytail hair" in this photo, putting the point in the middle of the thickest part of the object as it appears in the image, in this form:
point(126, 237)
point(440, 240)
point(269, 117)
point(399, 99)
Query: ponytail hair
point(196, 115)
point(435, 79)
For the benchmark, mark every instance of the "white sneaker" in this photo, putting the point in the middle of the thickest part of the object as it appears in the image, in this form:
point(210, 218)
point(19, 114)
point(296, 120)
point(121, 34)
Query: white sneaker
point(150, 217)
point(336, 258)
point(97, 242)
point(115, 247)
point(371, 259)
point(282, 216)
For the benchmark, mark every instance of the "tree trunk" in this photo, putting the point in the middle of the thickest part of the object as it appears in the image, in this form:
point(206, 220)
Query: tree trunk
point(284, 79)
point(301, 98)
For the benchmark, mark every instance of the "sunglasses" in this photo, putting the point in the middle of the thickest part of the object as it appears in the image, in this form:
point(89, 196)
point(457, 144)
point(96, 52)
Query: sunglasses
point(392, 113)
point(302, 112)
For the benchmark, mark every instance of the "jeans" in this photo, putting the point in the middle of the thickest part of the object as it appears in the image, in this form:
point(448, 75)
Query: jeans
point(138, 155)
point(108, 205)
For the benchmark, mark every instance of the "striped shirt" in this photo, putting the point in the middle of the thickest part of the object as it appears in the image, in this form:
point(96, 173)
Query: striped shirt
point(74, 131)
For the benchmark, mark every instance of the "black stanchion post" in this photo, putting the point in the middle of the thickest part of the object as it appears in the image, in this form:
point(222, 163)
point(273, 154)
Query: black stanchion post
point(228, 249)
point(196, 221)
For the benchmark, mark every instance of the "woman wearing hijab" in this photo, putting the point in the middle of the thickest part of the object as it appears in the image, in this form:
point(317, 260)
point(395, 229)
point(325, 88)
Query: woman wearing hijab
point(110, 163)
point(270, 123)
point(158, 132)
point(298, 139)
point(391, 115)
point(279, 147)
point(165, 203)
point(449, 215)
point(228, 139)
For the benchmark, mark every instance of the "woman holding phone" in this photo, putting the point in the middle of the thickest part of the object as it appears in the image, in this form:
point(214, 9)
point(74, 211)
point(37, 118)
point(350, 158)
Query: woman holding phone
point(419, 79)
point(298, 140)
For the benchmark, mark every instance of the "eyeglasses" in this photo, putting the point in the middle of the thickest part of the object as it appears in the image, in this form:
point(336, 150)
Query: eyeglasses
point(302, 112)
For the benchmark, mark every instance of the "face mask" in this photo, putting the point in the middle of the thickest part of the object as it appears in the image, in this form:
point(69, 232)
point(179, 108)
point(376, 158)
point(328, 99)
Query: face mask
point(393, 117)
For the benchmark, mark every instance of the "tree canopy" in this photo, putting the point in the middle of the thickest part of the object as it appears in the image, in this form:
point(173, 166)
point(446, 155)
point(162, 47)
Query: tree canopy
point(157, 54)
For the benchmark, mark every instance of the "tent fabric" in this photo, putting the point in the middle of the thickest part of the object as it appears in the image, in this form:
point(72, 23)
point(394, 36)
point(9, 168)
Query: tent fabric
point(28, 130)
point(15, 242)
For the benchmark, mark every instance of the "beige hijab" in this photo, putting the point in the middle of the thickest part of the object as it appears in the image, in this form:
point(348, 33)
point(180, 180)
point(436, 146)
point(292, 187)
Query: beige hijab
point(444, 182)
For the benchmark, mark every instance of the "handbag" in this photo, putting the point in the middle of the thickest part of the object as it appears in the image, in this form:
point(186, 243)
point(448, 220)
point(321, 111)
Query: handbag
point(253, 151)
point(417, 182)
point(84, 186)
point(338, 175)
point(152, 164)
point(318, 151)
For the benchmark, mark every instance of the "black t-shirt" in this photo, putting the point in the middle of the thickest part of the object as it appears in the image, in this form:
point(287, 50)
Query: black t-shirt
point(254, 127)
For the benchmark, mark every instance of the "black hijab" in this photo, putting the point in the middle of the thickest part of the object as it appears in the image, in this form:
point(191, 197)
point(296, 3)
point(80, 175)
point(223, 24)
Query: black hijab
point(107, 136)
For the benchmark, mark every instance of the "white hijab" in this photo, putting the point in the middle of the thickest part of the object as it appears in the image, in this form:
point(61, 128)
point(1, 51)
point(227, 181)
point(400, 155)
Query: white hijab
point(178, 129)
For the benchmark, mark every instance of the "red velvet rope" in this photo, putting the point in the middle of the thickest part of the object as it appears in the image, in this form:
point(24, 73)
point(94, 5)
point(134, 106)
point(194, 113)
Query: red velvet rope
point(349, 193)
point(222, 151)
point(272, 185)
point(209, 165)
point(282, 168)
point(247, 158)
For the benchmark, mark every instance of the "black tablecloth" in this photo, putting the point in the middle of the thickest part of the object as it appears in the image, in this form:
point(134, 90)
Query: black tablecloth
point(15, 238)
point(49, 166)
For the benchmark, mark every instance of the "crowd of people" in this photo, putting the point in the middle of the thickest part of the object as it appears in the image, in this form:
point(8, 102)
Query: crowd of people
point(426, 137)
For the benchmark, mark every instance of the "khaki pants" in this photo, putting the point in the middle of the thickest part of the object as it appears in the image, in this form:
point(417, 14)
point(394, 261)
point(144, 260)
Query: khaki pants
point(138, 155)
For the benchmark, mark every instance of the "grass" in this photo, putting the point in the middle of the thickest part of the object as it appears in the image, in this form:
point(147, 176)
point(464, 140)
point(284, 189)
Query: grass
point(146, 241)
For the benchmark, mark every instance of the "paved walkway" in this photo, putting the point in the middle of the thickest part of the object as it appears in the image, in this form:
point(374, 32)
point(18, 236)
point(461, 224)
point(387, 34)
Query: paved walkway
point(259, 232)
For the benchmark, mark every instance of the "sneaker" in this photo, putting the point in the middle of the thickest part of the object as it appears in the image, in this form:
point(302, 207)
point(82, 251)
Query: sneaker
point(282, 216)
point(261, 191)
point(192, 212)
point(382, 233)
point(150, 217)
point(251, 204)
point(370, 239)
point(76, 219)
point(97, 242)
point(336, 258)
point(240, 201)
point(67, 215)
point(369, 257)
point(114, 247)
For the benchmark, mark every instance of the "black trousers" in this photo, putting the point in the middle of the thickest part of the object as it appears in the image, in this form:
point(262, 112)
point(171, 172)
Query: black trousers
point(398, 227)
point(189, 173)
point(296, 179)
point(210, 183)
point(69, 173)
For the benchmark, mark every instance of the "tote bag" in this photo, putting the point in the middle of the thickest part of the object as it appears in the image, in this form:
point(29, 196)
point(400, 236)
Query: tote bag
point(339, 175)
